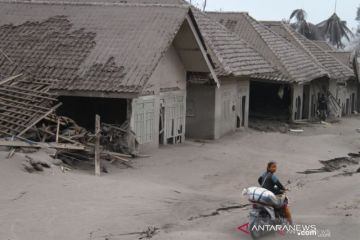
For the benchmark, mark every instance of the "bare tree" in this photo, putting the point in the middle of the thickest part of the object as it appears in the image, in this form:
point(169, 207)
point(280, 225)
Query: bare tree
point(204, 5)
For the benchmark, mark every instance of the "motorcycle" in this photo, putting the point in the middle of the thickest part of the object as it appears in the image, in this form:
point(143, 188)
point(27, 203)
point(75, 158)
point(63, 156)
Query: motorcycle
point(265, 215)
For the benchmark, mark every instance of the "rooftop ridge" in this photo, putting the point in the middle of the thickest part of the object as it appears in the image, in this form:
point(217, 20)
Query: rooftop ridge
point(250, 18)
point(314, 45)
point(286, 26)
point(99, 3)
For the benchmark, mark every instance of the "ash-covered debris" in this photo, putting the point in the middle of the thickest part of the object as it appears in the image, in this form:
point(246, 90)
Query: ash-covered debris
point(346, 165)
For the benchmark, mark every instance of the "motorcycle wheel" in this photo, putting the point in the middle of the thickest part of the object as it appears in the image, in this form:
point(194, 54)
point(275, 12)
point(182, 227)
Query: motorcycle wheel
point(254, 234)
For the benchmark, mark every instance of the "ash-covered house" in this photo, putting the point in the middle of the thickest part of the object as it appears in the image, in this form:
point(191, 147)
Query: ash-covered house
point(342, 85)
point(214, 112)
point(279, 95)
point(166, 69)
point(347, 93)
point(125, 62)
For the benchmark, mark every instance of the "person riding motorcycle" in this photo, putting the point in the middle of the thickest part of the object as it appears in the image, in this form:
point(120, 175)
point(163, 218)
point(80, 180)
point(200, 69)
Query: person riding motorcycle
point(270, 182)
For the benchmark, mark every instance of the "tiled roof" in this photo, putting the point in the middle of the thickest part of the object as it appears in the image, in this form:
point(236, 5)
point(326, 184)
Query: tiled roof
point(87, 47)
point(234, 56)
point(344, 57)
point(289, 60)
point(105, 2)
point(325, 46)
point(336, 69)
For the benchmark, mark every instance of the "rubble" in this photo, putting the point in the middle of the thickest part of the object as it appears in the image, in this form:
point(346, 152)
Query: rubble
point(28, 122)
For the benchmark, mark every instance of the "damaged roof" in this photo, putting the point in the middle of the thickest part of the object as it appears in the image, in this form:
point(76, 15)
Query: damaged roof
point(336, 68)
point(232, 55)
point(87, 47)
point(291, 63)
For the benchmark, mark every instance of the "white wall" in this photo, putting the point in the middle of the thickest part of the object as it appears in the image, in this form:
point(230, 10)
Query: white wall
point(227, 104)
point(170, 74)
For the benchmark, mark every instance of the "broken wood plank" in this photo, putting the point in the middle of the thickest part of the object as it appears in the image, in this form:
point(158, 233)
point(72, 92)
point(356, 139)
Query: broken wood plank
point(57, 130)
point(60, 136)
point(117, 154)
point(6, 80)
point(39, 119)
point(97, 146)
point(114, 127)
point(41, 145)
point(28, 94)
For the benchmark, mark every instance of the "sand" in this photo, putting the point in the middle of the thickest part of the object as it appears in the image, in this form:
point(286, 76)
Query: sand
point(179, 187)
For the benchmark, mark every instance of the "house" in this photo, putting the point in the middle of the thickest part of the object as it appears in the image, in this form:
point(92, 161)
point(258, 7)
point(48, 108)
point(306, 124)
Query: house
point(342, 85)
point(125, 62)
point(217, 111)
point(278, 95)
point(163, 68)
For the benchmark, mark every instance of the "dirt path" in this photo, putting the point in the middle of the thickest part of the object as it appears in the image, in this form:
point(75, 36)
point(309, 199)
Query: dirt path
point(192, 191)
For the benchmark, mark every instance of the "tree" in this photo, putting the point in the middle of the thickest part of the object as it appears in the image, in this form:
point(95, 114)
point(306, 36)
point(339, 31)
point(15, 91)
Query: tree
point(358, 19)
point(335, 30)
point(355, 42)
point(308, 30)
point(204, 5)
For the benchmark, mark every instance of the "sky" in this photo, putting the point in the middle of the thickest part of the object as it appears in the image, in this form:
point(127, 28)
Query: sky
point(318, 10)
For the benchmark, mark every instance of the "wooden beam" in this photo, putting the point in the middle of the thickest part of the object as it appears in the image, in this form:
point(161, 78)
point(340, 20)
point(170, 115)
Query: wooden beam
point(39, 119)
point(97, 146)
point(41, 145)
point(57, 130)
point(6, 80)
point(28, 94)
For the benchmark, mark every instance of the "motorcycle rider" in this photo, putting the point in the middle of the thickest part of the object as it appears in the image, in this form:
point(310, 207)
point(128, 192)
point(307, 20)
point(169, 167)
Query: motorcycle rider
point(270, 182)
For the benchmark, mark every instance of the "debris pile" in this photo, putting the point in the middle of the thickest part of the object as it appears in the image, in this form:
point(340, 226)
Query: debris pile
point(24, 101)
point(347, 166)
point(28, 121)
point(32, 164)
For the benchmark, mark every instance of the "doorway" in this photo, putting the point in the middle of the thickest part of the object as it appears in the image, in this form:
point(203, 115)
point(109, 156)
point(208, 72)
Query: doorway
point(270, 101)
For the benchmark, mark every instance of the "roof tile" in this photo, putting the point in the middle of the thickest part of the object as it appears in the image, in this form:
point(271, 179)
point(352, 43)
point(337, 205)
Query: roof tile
point(87, 47)
point(234, 56)
point(288, 59)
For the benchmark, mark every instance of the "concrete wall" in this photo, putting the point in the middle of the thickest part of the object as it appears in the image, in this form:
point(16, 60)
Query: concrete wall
point(228, 104)
point(297, 102)
point(343, 92)
point(243, 87)
point(213, 112)
point(169, 75)
point(200, 114)
point(316, 89)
